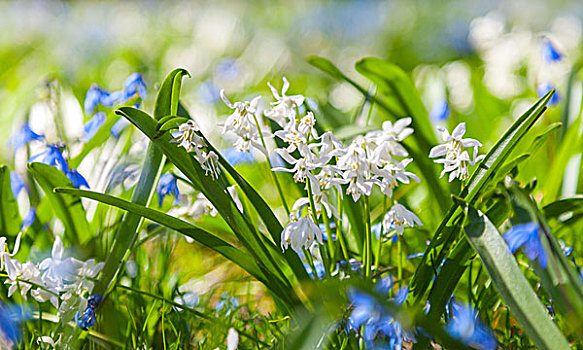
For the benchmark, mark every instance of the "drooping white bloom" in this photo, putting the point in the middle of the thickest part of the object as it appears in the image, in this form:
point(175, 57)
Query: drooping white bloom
point(283, 111)
point(202, 206)
point(232, 339)
point(210, 164)
point(4, 254)
point(300, 232)
point(393, 173)
point(457, 159)
point(242, 123)
point(398, 217)
point(187, 136)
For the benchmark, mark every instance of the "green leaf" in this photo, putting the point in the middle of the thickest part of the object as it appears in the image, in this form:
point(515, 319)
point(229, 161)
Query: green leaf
point(9, 215)
point(511, 283)
point(166, 101)
point(68, 209)
point(205, 238)
point(100, 137)
point(219, 197)
point(563, 206)
point(480, 179)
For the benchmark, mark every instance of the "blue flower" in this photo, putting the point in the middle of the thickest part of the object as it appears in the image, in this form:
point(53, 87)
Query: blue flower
point(364, 308)
point(77, 179)
point(53, 157)
point(113, 99)
point(87, 318)
point(544, 88)
point(11, 316)
point(95, 96)
point(28, 219)
point(550, 52)
point(527, 236)
point(24, 136)
point(168, 184)
point(332, 226)
point(133, 85)
point(440, 111)
point(16, 184)
point(118, 127)
point(320, 270)
point(465, 326)
point(92, 126)
point(228, 303)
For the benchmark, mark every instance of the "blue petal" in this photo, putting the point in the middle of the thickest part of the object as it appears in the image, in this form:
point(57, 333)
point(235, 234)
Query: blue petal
point(544, 88)
point(16, 184)
point(92, 126)
point(23, 137)
point(86, 319)
point(11, 317)
point(167, 184)
point(52, 156)
point(440, 111)
point(95, 95)
point(77, 179)
point(133, 85)
point(118, 127)
point(550, 52)
point(519, 234)
point(29, 219)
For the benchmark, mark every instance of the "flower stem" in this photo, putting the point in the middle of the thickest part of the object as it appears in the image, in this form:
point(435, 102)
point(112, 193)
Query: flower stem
point(377, 259)
point(275, 180)
point(400, 261)
point(368, 240)
point(331, 249)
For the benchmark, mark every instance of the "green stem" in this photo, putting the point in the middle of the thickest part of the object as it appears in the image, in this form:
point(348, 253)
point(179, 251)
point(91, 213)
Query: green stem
point(331, 247)
point(275, 180)
point(368, 240)
point(400, 261)
point(377, 260)
point(339, 233)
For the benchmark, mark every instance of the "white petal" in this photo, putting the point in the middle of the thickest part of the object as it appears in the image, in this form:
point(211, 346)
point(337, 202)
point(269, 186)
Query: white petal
point(459, 131)
point(225, 99)
point(438, 151)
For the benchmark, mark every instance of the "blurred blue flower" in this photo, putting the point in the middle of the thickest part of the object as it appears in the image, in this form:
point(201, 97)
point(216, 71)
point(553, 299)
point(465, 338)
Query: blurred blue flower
point(227, 302)
point(440, 111)
point(113, 99)
point(527, 236)
point(168, 184)
point(16, 184)
point(208, 92)
point(235, 157)
point(550, 52)
point(416, 255)
point(53, 157)
point(133, 85)
point(95, 96)
point(465, 326)
point(28, 219)
point(77, 179)
point(332, 226)
point(227, 69)
point(377, 229)
point(319, 266)
point(11, 317)
point(118, 127)
point(384, 285)
point(24, 136)
point(92, 126)
point(364, 307)
point(544, 88)
point(87, 318)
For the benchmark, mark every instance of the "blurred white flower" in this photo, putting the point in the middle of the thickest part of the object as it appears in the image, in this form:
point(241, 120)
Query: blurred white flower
point(232, 339)
point(389, 137)
point(398, 217)
point(457, 159)
point(202, 206)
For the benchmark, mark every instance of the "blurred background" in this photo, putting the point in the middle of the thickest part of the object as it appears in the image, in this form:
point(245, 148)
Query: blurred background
point(478, 61)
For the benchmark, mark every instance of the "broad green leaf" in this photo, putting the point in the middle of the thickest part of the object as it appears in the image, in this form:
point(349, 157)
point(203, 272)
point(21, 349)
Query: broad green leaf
point(100, 137)
point(68, 209)
point(511, 283)
point(563, 206)
point(9, 215)
point(481, 177)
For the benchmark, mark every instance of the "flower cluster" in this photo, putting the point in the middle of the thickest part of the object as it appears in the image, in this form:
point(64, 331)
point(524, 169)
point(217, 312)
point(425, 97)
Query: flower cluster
point(188, 137)
point(456, 160)
point(134, 89)
point(244, 125)
point(465, 326)
point(61, 281)
point(325, 164)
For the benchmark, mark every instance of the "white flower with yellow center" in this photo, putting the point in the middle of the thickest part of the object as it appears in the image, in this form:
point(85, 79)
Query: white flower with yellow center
point(187, 136)
point(398, 217)
point(242, 123)
point(283, 111)
point(456, 160)
point(300, 232)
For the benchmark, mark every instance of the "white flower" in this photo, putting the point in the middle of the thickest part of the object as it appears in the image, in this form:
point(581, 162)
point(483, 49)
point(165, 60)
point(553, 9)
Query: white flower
point(391, 134)
point(187, 136)
point(4, 254)
point(232, 339)
point(320, 200)
point(457, 159)
point(300, 233)
point(283, 111)
point(233, 192)
point(210, 164)
point(242, 124)
point(392, 173)
point(202, 206)
point(398, 217)
point(330, 176)
point(302, 166)
point(59, 271)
